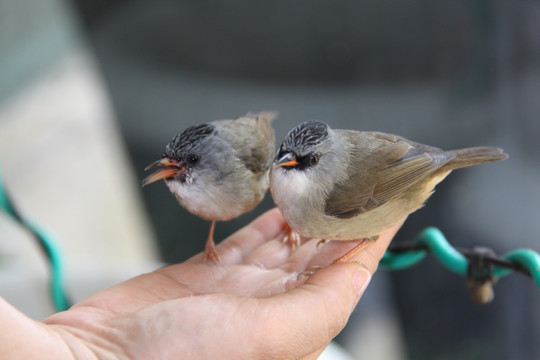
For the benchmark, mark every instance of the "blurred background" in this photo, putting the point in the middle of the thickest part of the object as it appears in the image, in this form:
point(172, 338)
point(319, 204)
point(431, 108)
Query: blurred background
point(92, 90)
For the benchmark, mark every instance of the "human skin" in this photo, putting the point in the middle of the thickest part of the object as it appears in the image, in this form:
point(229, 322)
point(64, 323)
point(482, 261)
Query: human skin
point(262, 301)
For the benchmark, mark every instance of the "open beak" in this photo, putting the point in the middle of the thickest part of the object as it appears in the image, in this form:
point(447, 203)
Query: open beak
point(170, 169)
point(287, 160)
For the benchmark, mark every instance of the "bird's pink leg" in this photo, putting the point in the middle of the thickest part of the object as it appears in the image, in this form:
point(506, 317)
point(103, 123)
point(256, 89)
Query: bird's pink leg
point(364, 243)
point(210, 252)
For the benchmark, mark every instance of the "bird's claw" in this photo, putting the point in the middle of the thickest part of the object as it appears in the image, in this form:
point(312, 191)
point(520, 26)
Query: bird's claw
point(308, 273)
point(211, 254)
point(321, 243)
point(292, 238)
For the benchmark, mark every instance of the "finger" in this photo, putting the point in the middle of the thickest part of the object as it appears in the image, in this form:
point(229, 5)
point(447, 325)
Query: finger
point(240, 280)
point(241, 244)
point(269, 255)
point(312, 314)
point(371, 256)
point(299, 260)
point(315, 355)
point(308, 258)
point(311, 257)
point(282, 282)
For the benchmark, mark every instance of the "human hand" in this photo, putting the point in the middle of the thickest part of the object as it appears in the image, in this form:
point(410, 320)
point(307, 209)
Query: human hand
point(253, 305)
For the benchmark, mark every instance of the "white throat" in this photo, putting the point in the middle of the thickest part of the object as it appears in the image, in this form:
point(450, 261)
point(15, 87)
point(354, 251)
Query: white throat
point(288, 186)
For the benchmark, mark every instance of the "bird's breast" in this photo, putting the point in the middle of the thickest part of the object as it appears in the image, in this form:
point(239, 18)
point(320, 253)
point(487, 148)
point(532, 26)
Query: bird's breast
point(220, 200)
point(293, 193)
point(205, 202)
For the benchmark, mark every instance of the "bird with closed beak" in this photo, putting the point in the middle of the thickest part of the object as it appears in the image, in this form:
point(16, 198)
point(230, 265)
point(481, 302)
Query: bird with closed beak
point(351, 185)
point(219, 170)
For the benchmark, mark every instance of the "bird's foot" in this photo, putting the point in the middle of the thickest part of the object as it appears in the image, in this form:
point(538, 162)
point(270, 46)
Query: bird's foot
point(309, 272)
point(292, 238)
point(321, 243)
point(210, 253)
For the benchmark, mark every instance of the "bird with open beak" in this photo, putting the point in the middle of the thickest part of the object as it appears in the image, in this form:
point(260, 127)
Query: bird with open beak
point(219, 170)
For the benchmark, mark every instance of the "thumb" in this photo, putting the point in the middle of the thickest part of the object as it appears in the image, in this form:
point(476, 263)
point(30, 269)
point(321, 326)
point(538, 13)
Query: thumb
point(335, 291)
point(315, 312)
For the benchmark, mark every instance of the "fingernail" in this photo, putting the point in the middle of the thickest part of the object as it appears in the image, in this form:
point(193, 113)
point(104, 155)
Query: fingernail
point(361, 279)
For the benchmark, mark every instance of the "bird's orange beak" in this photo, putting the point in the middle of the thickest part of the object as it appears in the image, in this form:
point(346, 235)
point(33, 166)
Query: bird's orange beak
point(287, 160)
point(171, 168)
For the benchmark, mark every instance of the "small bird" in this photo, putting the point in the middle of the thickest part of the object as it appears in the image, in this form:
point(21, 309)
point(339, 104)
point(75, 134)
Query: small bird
point(219, 170)
point(349, 185)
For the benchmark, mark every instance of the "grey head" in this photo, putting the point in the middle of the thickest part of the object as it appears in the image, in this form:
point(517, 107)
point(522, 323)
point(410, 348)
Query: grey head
point(187, 152)
point(190, 147)
point(304, 145)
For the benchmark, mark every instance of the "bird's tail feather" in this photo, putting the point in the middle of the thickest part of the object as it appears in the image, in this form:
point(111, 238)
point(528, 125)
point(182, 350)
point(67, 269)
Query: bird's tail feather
point(475, 155)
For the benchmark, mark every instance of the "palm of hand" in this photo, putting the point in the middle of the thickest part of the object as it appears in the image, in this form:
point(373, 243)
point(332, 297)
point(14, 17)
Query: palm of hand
point(251, 305)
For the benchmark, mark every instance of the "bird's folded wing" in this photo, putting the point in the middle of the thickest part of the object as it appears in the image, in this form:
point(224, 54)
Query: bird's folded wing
point(387, 171)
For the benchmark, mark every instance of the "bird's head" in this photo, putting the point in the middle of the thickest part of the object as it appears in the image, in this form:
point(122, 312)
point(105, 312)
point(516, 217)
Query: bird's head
point(304, 146)
point(185, 153)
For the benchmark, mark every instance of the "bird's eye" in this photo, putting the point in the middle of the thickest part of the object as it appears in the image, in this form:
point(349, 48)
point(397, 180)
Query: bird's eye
point(193, 159)
point(314, 159)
